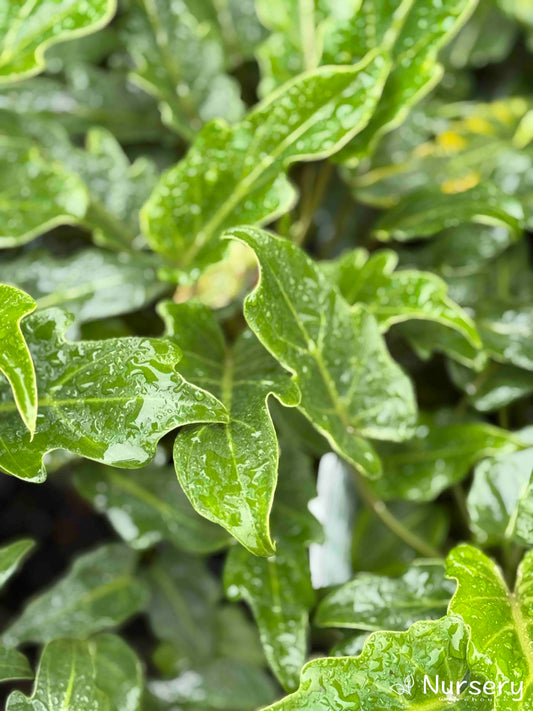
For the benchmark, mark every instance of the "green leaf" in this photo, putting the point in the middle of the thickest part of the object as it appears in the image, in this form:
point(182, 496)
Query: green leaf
point(13, 665)
point(98, 592)
point(334, 352)
point(427, 212)
point(65, 680)
point(182, 606)
point(146, 506)
point(499, 620)
point(375, 602)
point(224, 685)
point(396, 296)
point(97, 187)
point(376, 548)
point(438, 457)
point(307, 119)
point(15, 358)
point(110, 400)
point(27, 31)
point(179, 59)
point(90, 284)
point(388, 659)
point(279, 592)
point(118, 672)
point(235, 485)
point(495, 387)
point(498, 500)
point(36, 194)
point(11, 557)
point(102, 674)
point(416, 71)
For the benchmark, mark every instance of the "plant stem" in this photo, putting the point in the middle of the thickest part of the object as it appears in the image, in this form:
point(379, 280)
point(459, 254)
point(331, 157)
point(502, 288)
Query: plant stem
point(311, 200)
point(379, 508)
point(460, 500)
point(114, 230)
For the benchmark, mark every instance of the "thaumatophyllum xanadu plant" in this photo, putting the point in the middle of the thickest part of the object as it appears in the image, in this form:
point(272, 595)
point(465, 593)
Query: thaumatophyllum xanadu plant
point(266, 319)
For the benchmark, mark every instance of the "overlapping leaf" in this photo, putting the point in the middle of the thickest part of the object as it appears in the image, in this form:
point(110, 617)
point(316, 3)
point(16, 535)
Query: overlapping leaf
point(500, 499)
point(375, 602)
point(179, 58)
point(438, 457)
point(24, 39)
point(245, 182)
point(101, 674)
point(235, 485)
point(90, 284)
point(500, 623)
point(389, 674)
point(13, 665)
point(396, 296)
point(351, 388)
point(98, 592)
point(96, 187)
point(15, 358)
point(11, 557)
point(106, 400)
point(146, 506)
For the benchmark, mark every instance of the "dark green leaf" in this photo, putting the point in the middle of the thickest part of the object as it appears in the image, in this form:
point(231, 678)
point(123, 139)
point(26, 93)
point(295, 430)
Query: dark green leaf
point(335, 352)
point(107, 400)
point(98, 592)
point(375, 602)
point(13, 665)
point(146, 506)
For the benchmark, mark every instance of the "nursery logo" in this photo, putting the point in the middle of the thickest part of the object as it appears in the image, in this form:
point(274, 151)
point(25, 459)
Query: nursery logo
point(454, 690)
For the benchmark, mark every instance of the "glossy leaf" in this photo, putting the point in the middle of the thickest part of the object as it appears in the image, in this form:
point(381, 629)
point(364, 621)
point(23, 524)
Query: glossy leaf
point(498, 499)
point(62, 197)
point(499, 619)
point(13, 665)
point(101, 674)
point(278, 590)
point(126, 392)
point(179, 59)
point(23, 43)
point(12, 556)
point(396, 296)
point(98, 592)
point(438, 457)
point(307, 119)
point(428, 27)
point(235, 486)
point(15, 358)
point(334, 352)
point(494, 388)
point(90, 284)
point(375, 602)
point(147, 506)
point(389, 674)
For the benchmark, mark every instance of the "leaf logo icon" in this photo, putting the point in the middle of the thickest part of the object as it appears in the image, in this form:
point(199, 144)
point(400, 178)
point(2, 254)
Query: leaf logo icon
point(405, 688)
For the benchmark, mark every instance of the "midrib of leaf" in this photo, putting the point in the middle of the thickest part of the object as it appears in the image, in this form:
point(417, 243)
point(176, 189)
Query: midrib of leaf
point(76, 292)
point(70, 686)
point(424, 455)
point(242, 187)
point(9, 40)
point(159, 505)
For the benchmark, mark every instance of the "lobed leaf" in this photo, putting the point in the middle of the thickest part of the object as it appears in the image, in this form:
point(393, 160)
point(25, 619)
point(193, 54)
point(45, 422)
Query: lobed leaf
point(307, 119)
point(389, 674)
point(500, 622)
point(109, 400)
point(351, 388)
point(27, 31)
point(15, 358)
point(235, 485)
